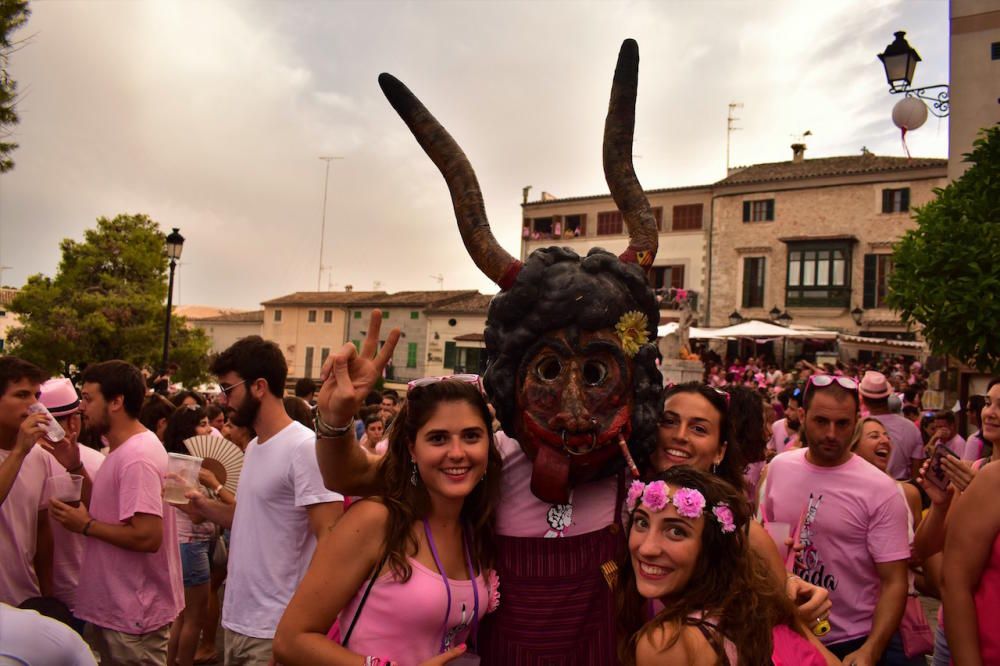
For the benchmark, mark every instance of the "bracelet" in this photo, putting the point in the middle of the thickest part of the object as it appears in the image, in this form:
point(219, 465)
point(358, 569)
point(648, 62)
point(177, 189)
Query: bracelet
point(86, 527)
point(327, 431)
point(221, 486)
point(76, 468)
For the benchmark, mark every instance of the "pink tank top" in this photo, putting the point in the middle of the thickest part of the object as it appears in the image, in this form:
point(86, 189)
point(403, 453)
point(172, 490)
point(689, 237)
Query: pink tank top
point(987, 599)
point(404, 621)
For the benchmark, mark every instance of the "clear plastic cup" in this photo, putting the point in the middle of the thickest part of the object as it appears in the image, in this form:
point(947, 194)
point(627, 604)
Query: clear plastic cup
point(182, 476)
point(66, 488)
point(780, 533)
point(53, 431)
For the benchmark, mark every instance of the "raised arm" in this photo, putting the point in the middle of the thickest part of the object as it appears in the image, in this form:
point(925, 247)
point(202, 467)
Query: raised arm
point(348, 377)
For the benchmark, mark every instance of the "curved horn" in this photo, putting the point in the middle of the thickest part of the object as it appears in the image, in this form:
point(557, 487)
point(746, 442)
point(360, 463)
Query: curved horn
point(466, 196)
point(618, 169)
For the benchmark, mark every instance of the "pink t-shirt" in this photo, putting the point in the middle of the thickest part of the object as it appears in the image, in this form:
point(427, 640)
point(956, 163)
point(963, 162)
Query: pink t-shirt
point(125, 590)
point(414, 635)
point(19, 526)
point(973, 449)
point(957, 444)
point(521, 514)
point(853, 517)
point(781, 437)
point(67, 555)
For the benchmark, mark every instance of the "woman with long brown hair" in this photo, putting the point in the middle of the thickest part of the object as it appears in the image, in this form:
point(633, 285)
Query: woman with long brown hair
point(406, 574)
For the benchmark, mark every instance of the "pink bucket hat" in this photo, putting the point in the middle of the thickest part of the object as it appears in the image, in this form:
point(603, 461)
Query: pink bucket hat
point(875, 385)
point(59, 397)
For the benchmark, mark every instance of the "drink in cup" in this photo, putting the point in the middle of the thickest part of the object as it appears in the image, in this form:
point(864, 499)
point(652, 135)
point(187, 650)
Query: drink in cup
point(53, 431)
point(182, 476)
point(67, 488)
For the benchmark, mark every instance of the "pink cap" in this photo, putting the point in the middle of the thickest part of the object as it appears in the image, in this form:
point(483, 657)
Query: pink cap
point(875, 385)
point(59, 397)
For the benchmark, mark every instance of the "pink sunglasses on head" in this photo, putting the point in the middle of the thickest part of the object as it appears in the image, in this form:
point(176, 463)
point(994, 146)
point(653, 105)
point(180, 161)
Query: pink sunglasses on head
point(822, 381)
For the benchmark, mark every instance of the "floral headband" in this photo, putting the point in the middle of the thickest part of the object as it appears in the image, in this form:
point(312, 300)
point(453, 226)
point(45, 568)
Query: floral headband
point(690, 503)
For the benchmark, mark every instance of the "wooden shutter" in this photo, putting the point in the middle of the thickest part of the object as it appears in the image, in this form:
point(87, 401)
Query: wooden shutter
point(886, 201)
point(746, 211)
point(770, 210)
point(748, 271)
point(870, 280)
point(449, 355)
point(905, 205)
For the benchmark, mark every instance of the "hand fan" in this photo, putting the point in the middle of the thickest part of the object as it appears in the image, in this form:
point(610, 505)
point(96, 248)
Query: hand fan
point(221, 457)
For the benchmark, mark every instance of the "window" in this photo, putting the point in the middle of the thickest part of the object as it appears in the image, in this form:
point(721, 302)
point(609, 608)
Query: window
point(469, 360)
point(609, 223)
point(385, 314)
point(687, 218)
point(357, 314)
point(995, 50)
point(411, 355)
point(327, 316)
point(753, 282)
point(414, 315)
point(449, 355)
point(542, 227)
point(311, 316)
point(665, 277)
point(658, 216)
point(575, 226)
point(758, 211)
point(876, 287)
point(323, 354)
point(896, 201)
point(309, 362)
point(277, 315)
point(819, 274)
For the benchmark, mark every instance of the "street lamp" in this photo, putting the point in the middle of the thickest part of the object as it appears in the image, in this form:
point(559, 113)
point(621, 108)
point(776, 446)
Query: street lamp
point(735, 318)
point(775, 312)
point(856, 314)
point(175, 244)
point(784, 319)
point(900, 62)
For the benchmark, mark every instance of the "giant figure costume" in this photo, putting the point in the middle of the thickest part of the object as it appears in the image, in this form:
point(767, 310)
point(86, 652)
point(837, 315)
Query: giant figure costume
point(572, 374)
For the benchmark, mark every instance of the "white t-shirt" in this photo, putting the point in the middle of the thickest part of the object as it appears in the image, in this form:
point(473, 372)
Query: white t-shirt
point(19, 516)
point(35, 639)
point(272, 542)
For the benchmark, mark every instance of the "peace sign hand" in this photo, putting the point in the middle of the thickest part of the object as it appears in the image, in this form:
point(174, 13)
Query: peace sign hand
point(349, 375)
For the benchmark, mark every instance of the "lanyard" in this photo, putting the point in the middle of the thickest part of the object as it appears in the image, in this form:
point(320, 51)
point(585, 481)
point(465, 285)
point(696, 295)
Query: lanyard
point(447, 587)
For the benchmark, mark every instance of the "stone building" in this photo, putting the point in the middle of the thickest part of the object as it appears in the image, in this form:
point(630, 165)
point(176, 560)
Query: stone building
point(226, 328)
point(814, 237)
point(455, 335)
point(581, 223)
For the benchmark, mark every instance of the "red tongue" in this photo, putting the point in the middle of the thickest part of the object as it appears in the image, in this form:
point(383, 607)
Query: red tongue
point(550, 476)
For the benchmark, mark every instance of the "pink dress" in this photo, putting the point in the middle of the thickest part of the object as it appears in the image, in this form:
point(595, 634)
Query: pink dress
point(987, 599)
point(405, 622)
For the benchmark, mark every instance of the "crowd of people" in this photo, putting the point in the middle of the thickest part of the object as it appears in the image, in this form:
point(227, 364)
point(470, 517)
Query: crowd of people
point(782, 517)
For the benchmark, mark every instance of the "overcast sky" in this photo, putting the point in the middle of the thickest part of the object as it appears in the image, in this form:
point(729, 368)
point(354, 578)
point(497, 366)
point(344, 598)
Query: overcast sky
point(211, 116)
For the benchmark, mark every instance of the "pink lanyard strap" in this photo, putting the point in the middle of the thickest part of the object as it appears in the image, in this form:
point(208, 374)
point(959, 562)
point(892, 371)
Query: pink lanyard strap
point(472, 579)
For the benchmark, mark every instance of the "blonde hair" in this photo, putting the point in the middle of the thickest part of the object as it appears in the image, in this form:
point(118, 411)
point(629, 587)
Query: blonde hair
point(856, 438)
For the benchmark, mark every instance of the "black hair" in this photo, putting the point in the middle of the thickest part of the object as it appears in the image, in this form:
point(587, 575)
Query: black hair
point(812, 389)
point(373, 398)
point(118, 378)
point(178, 398)
point(746, 418)
point(213, 410)
point(181, 425)
point(944, 415)
point(392, 394)
point(254, 358)
point(154, 409)
point(14, 369)
point(558, 289)
point(298, 410)
point(304, 387)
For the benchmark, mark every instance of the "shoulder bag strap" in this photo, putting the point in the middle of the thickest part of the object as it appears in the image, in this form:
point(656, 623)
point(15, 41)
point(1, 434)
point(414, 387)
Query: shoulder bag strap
point(364, 598)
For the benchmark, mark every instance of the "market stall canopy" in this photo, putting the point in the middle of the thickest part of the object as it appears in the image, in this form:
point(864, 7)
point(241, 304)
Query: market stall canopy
point(694, 333)
point(856, 343)
point(763, 330)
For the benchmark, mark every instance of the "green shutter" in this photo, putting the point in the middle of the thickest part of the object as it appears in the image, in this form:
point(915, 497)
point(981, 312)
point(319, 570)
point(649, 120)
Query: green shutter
point(411, 355)
point(871, 281)
point(414, 315)
point(747, 281)
point(450, 350)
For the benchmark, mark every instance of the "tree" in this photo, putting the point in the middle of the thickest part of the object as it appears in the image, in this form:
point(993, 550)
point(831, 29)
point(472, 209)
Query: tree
point(13, 14)
point(946, 273)
point(107, 301)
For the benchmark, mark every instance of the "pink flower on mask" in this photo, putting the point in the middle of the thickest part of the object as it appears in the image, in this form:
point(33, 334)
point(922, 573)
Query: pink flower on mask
point(634, 495)
point(689, 502)
point(656, 496)
point(724, 515)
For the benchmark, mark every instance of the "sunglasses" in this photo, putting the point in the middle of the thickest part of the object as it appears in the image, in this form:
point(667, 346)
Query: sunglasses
point(822, 381)
point(475, 380)
point(724, 394)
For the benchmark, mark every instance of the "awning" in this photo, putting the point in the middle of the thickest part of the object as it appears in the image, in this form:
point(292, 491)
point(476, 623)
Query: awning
point(906, 347)
point(695, 333)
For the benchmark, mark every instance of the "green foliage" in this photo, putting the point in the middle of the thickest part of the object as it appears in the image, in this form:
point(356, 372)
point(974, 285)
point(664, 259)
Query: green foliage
point(107, 301)
point(13, 14)
point(946, 273)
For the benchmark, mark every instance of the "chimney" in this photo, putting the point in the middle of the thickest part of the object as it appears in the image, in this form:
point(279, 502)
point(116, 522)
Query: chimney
point(798, 152)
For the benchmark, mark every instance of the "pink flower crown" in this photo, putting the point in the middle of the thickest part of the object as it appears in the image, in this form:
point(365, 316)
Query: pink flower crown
point(690, 503)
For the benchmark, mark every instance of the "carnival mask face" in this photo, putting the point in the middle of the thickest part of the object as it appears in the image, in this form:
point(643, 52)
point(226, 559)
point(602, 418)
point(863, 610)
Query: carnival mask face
point(575, 398)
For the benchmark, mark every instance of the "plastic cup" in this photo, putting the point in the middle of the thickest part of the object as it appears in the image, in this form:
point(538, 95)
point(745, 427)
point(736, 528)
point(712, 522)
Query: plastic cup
point(182, 476)
point(53, 431)
point(780, 533)
point(67, 488)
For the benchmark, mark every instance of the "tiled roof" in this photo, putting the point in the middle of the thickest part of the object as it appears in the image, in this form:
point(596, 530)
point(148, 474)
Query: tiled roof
point(7, 295)
point(828, 166)
point(470, 337)
point(253, 316)
point(324, 298)
point(474, 303)
point(594, 197)
point(416, 298)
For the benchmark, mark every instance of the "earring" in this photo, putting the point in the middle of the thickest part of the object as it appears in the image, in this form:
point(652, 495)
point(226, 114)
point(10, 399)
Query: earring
point(715, 468)
point(413, 474)
point(484, 476)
